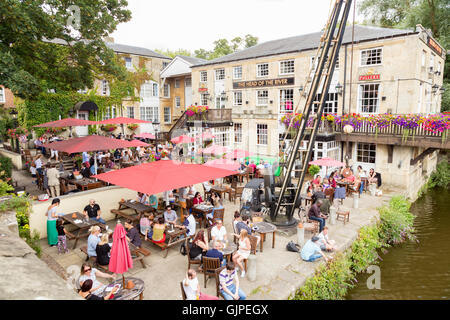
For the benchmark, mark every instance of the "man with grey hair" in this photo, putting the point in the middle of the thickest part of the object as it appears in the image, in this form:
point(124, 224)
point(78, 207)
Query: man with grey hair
point(315, 214)
point(92, 210)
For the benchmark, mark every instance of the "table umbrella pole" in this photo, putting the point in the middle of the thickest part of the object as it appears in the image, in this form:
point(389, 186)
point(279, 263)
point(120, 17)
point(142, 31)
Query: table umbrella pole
point(95, 163)
point(123, 281)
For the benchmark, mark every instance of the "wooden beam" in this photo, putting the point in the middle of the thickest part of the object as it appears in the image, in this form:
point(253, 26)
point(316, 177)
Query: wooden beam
point(421, 156)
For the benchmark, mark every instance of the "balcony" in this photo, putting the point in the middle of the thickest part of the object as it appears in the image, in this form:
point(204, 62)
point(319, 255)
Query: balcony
point(213, 118)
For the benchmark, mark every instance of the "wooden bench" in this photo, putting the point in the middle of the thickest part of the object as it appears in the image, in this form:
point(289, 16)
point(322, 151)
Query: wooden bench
point(134, 218)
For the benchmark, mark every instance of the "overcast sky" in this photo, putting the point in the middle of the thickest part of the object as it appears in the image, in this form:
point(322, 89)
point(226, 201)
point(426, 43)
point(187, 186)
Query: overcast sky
point(194, 24)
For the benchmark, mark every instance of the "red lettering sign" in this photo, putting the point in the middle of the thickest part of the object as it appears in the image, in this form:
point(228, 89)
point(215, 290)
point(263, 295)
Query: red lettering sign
point(433, 45)
point(202, 89)
point(369, 77)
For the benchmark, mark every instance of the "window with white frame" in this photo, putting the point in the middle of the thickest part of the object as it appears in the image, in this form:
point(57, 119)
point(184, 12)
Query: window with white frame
point(237, 132)
point(177, 102)
point(167, 117)
point(149, 113)
point(128, 63)
point(286, 67)
point(166, 90)
point(424, 58)
point(146, 91)
point(262, 97)
point(109, 113)
point(369, 98)
point(188, 82)
point(439, 68)
point(262, 70)
point(237, 72)
point(336, 66)
point(2, 95)
point(322, 149)
point(237, 98)
point(313, 64)
point(155, 91)
point(204, 99)
point(371, 57)
point(130, 112)
point(286, 100)
point(177, 83)
point(331, 103)
point(261, 134)
point(222, 136)
point(432, 62)
point(105, 88)
point(164, 64)
point(220, 74)
point(203, 76)
point(366, 152)
point(220, 102)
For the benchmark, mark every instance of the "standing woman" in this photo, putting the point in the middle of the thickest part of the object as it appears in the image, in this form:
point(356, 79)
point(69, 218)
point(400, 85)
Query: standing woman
point(52, 233)
point(243, 252)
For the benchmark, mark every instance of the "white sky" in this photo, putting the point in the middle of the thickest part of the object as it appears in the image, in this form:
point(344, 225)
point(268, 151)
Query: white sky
point(194, 24)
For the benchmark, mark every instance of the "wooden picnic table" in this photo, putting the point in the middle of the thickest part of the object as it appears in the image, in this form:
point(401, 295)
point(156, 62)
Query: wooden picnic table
point(220, 190)
point(82, 226)
point(139, 209)
point(127, 294)
point(199, 211)
point(173, 237)
point(263, 228)
point(83, 183)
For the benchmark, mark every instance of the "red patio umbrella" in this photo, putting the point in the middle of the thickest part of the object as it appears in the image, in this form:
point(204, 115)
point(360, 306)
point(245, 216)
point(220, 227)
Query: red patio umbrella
point(122, 120)
point(183, 139)
point(223, 164)
point(145, 135)
point(120, 260)
point(214, 149)
point(68, 122)
point(163, 175)
point(238, 154)
point(205, 136)
point(327, 162)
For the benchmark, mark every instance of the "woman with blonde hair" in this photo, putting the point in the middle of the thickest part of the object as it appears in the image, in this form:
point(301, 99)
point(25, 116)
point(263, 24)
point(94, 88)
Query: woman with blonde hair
point(103, 248)
point(93, 240)
point(243, 252)
point(87, 272)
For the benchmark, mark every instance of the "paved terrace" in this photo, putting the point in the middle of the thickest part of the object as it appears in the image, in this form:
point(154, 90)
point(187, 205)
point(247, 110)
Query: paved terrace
point(279, 272)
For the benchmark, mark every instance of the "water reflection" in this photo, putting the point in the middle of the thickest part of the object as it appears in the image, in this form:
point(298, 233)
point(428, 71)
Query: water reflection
point(417, 270)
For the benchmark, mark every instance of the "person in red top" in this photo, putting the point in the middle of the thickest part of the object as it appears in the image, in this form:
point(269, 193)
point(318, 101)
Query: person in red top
point(197, 198)
point(351, 177)
point(253, 166)
point(317, 181)
point(332, 180)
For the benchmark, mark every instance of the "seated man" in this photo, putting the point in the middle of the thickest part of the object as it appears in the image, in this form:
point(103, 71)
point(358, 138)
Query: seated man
point(215, 253)
point(133, 234)
point(229, 283)
point(92, 210)
point(315, 214)
point(189, 223)
point(170, 216)
point(311, 250)
point(85, 172)
point(244, 224)
point(324, 242)
point(218, 232)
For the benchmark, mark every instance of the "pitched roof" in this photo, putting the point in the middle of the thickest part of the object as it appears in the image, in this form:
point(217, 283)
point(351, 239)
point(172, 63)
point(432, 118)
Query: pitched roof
point(193, 60)
point(122, 48)
point(307, 42)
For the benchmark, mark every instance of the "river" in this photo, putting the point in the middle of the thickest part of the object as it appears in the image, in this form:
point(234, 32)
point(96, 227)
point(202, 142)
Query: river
point(416, 270)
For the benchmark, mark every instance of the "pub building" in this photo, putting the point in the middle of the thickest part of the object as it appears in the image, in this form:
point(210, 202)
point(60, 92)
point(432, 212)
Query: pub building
point(383, 71)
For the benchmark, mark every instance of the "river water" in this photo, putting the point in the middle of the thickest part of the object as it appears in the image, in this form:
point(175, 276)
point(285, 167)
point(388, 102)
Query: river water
point(416, 270)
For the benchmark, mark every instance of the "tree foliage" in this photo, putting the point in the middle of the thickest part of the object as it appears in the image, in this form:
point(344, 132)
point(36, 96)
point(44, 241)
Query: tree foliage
point(32, 58)
point(224, 47)
point(174, 53)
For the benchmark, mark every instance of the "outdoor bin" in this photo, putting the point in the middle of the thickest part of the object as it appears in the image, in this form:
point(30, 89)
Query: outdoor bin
point(300, 235)
point(251, 269)
point(333, 215)
point(355, 200)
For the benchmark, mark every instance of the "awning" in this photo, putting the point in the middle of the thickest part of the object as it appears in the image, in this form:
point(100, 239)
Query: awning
point(86, 106)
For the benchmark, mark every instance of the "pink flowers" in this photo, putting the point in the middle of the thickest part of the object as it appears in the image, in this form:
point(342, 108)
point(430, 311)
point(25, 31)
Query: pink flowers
point(193, 110)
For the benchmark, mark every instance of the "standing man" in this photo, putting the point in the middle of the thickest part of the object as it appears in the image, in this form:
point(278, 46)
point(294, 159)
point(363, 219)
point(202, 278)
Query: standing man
point(182, 192)
point(92, 210)
point(315, 214)
point(53, 181)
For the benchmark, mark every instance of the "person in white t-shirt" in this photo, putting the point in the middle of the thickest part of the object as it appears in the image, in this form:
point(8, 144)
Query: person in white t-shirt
point(192, 288)
point(324, 242)
point(218, 232)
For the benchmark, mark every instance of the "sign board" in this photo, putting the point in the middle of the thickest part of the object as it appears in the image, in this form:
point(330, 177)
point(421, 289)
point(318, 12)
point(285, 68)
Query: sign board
point(433, 45)
point(264, 83)
point(369, 77)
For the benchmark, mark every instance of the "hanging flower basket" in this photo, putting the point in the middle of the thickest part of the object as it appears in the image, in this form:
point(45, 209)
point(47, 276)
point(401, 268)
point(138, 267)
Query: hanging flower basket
point(191, 111)
point(55, 130)
point(132, 126)
point(17, 132)
point(108, 127)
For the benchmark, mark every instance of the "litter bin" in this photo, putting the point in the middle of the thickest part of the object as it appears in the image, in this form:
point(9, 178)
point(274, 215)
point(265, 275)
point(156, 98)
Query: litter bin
point(251, 268)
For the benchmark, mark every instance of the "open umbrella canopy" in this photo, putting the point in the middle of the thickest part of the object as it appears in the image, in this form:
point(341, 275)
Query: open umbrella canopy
point(122, 120)
point(145, 135)
point(205, 136)
point(68, 122)
point(223, 164)
point(183, 139)
point(163, 175)
point(238, 154)
point(327, 162)
point(92, 143)
point(214, 149)
point(120, 260)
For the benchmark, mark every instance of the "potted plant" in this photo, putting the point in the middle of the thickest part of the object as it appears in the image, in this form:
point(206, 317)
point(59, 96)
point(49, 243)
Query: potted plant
point(108, 127)
point(132, 126)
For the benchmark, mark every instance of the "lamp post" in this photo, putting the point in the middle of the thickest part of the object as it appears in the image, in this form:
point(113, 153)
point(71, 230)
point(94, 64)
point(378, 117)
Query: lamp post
point(156, 129)
point(16, 125)
point(347, 130)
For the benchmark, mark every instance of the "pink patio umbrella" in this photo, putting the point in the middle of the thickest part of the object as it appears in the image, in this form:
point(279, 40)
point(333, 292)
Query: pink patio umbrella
point(145, 135)
point(214, 149)
point(327, 162)
point(68, 122)
point(183, 139)
point(120, 260)
point(223, 164)
point(238, 154)
point(205, 136)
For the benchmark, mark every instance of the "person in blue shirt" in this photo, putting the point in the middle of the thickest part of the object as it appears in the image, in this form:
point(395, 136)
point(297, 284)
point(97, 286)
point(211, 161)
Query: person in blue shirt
point(311, 250)
point(215, 253)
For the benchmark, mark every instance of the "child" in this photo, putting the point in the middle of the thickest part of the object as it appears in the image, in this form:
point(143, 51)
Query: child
point(62, 240)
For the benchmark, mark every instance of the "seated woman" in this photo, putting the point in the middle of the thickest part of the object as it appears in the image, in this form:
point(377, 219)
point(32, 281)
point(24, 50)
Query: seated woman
point(145, 225)
point(158, 231)
point(86, 289)
point(217, 202)
point(87, 272)
point(325, 184)
point(199, 246)
point(141, 198)
point(243, 252)
point(103, 248)
point(197, 198)
point(355, 184)
point(332, 180)
point(372, 176)
point(317, 180)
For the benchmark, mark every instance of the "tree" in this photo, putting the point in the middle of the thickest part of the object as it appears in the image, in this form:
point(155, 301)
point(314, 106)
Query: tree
point(250, 41)
point(223, 47)
point(46, 44)
point(173, 54)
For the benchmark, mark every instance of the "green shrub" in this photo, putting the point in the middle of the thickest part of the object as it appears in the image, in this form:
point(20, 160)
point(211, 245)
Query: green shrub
point(364, 249)
point(441, 176)
point(5, 166)
point(313, 170)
